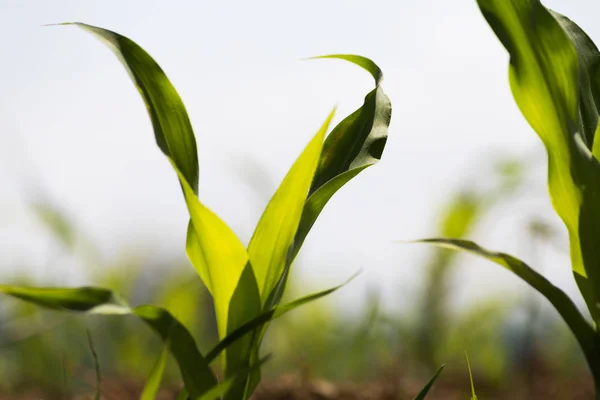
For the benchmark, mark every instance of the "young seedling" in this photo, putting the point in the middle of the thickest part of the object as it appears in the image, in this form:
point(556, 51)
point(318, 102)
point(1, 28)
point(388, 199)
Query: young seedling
point(555, 79)
point(247, 284)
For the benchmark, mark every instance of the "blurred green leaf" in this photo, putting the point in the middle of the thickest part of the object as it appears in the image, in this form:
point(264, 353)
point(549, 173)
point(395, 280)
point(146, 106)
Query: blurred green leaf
point(461, 214)
point(57, 222)
point(79, 299)
point(195, 371)
point(423, 393)
point(473, 395)
point(152, 385)
point(582, 330)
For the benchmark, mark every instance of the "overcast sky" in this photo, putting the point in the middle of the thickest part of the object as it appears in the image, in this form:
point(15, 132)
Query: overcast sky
point(73, 124)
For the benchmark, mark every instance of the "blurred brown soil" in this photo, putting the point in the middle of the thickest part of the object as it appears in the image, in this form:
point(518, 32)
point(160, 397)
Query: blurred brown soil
point(294, 388)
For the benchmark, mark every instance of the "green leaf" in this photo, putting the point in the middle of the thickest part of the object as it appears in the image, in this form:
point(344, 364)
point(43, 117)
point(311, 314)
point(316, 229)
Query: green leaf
point(270, 244)
point(361, 61)
point(153, 382)
point(551, 63)
point(195, 371)
point(216, 253)
point(356, 143)
point(583, 331)
point(427, 387)
point(268, 316)
point(57, 222)
point(244, 305)
point(172, 128)
point(473, 395)
point(214, 250)
point(220, 259)
point(79, 299)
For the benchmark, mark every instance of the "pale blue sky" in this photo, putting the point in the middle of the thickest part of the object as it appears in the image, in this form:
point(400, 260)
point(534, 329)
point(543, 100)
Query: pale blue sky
point(71, 121)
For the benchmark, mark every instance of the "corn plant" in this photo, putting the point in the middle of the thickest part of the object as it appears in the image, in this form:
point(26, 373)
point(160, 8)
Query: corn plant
point(246, 284)
point(555, 79)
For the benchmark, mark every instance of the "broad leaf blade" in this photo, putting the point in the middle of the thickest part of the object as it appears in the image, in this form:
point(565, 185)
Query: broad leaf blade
point(549, 62)
point(172, 128)
point(195, 371)
point(423, 393)
point(356, 143)
point(212, 247)
point(270, 244)
point(583, 331)
point(216, 253)
point(175, 137)
point(153, 382)
point(72, 299)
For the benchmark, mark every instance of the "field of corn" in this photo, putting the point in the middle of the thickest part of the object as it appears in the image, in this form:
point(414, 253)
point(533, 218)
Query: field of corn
point(445, 216)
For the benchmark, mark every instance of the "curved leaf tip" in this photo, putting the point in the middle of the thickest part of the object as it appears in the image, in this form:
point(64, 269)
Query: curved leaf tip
point(361, 61)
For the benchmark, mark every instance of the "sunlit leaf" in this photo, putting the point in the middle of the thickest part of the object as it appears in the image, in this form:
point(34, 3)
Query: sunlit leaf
point(270, 244)
point(583, 331)
point(423, 393)
point(214, 250)
point(356, 143)
point(216, 253)
point(551, 63)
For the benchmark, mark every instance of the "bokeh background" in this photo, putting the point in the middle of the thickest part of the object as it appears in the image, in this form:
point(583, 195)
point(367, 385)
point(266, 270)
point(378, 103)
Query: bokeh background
point(87, 198)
